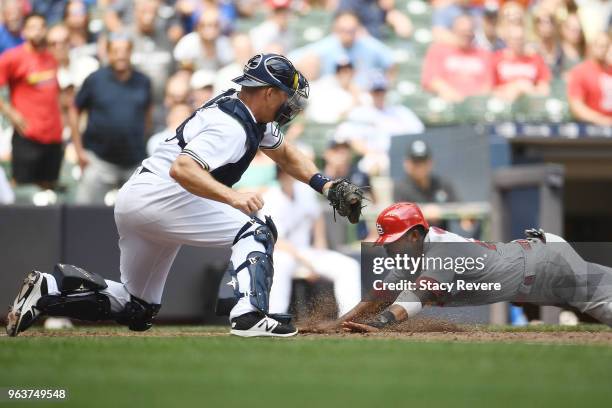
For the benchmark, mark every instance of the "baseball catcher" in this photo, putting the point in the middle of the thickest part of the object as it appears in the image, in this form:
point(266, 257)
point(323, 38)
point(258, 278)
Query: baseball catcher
point(541, 269)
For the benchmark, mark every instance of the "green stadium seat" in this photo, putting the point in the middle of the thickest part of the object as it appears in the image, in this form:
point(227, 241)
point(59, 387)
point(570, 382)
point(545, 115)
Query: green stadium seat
point(418, 11)
point(472, 109)
point(440, 112)
point(24, 194)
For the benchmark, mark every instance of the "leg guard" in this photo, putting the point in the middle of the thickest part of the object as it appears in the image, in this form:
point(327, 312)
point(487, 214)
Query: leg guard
point(79, 298)
point(259, 264)
point(266, 233)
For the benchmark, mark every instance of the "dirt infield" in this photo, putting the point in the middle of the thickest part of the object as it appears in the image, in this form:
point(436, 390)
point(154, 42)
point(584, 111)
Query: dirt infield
point(423, 330)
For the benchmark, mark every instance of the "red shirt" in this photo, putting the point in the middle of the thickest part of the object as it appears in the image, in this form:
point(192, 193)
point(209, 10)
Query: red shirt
point(467, 71)
point(32, 79)
point(592, 84)
point(508, 67)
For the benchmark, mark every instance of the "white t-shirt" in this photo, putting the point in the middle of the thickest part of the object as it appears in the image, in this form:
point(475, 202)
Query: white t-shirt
point(329, 101)
point(213, 138)
point(294, 218)
point(189, 49)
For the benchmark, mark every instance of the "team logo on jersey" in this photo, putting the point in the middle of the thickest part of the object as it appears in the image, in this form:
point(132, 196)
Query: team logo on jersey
point(380, 230)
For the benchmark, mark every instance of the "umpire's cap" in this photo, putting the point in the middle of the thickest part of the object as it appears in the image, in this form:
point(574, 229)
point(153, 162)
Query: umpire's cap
point(396, 220)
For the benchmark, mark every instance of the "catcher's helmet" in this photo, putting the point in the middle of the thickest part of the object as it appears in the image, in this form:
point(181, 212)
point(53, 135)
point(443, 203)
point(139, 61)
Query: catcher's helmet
point(277, 71)
point(394, 221)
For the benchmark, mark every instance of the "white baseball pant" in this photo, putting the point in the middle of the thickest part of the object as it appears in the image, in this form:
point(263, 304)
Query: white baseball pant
point(154, 217)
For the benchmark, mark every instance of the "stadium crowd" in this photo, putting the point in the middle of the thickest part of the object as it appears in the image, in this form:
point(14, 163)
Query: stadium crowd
point(99, 84)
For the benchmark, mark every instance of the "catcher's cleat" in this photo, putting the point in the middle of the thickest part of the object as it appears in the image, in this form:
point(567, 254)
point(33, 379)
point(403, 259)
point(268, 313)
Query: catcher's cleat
point(23, 313)
point(256, 324)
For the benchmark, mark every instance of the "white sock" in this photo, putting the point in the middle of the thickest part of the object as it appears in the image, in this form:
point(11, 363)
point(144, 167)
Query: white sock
point(51, 284)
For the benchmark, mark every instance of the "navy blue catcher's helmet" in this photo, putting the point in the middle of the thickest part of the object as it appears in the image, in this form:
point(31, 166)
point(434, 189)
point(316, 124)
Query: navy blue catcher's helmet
point(277, 71)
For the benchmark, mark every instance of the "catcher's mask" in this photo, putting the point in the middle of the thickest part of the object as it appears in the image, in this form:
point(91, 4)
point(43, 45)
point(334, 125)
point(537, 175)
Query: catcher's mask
point(277, 71)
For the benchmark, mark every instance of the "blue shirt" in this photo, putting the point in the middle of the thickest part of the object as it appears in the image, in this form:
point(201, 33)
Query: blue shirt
point(367, 54)
point(8, 40)
point(371, 15)
point(116, 115)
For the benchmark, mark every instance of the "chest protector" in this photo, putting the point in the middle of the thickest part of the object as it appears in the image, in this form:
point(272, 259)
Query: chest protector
point(230, 173)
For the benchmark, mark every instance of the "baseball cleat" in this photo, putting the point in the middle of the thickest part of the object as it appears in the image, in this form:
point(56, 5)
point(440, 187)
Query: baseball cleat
point(23, 313)
point(256, 324)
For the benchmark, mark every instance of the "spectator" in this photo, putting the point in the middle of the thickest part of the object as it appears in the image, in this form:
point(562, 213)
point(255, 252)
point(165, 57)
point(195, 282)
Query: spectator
point(517, 71)
point(590, 84)
point(73, 69)
point(152, 49)
point(486, 35)
point(30, 72)
point(382, 117)
point(205, 48)
point(302, 245)
point(339, 164)
point(117, 99)
point(547, 41)
point(201, 85)
point(11, 24)
point(596, 16)
point(76, 19)
point(52, 10)
point(369, 128)
point(573, 43)
point(420, 185)
point(242, 52)
point(190, 12)
point(511, 14)
point(120, 15)
point(176, 115)
point(177, 92)
point(334, 96)
point(275, 29)
point(444, 15)
point(351, 39)
point(456, 71)
point(378, 16)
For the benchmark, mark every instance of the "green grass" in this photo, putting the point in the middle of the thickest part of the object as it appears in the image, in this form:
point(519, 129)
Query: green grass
point(351, 372)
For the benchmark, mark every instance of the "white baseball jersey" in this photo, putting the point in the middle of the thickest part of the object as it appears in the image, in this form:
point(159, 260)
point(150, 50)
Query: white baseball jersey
point(155, 215)
point(213, 138)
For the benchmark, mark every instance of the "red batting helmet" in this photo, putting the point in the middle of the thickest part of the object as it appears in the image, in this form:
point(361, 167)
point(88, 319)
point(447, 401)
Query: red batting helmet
point(396, 220)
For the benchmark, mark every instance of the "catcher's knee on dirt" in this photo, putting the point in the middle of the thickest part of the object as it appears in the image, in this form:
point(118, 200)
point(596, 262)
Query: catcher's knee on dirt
point(259, 264)
point(80, 298)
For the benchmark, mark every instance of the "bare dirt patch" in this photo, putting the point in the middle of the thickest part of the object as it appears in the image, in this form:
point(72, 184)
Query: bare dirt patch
point(419, 330)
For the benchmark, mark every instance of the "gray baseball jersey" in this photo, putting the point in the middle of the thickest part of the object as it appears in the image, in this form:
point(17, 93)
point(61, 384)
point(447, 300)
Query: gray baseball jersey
point(527, 270)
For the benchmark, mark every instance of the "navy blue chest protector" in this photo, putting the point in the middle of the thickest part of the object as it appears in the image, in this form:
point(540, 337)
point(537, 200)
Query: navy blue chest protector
point(230, 173)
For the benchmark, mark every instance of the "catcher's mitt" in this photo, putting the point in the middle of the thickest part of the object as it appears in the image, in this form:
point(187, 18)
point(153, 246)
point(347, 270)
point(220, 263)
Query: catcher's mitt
point(346, 198)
